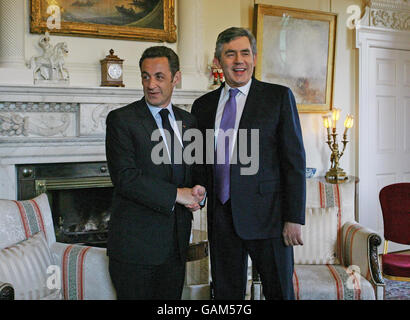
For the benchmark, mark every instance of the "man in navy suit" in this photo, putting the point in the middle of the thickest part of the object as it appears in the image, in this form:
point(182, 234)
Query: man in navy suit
point(259, 214)
point(150, 225)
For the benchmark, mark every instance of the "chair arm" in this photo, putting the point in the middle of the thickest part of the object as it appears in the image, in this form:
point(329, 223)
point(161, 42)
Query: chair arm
point(84, 272)
point(359, 248)
point(6, 291)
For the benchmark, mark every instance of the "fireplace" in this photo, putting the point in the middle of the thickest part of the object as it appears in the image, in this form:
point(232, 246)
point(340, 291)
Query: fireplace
point(80, 197)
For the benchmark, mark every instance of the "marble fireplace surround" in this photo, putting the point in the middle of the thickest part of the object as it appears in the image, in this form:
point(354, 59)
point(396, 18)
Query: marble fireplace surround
point(54, 125)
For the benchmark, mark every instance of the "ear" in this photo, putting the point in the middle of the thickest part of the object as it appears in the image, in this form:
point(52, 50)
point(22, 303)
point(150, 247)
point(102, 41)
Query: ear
point(255, 58)
point(177, 78)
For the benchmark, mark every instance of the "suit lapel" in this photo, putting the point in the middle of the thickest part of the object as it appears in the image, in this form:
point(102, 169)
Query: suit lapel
point(182, 128)
point(213, 105)
point(251, 105)
point(181, 124)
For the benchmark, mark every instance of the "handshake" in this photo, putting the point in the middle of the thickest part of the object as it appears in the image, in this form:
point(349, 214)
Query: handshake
point(191, 197)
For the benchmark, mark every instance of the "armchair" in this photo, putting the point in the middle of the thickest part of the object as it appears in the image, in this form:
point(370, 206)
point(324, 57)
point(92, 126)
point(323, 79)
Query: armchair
point(395, 204)
point(34, 266)
point(338, 260)
point(37, 266)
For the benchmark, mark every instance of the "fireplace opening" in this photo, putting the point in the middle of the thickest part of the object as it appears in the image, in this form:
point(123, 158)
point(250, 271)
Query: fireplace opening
point(80, 196)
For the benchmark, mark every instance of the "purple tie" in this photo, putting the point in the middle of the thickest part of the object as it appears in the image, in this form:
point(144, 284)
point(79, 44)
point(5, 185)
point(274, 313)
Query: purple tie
point(222, 168)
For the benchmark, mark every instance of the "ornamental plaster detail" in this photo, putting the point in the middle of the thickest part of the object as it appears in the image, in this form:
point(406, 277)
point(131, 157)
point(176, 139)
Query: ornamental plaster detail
point(389, 14)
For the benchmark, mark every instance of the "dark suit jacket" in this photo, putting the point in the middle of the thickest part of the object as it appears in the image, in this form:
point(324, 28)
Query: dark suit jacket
point(142, 220)
point(261, 203)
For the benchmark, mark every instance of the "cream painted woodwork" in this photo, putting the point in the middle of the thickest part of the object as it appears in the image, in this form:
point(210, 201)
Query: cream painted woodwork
point(384, 119)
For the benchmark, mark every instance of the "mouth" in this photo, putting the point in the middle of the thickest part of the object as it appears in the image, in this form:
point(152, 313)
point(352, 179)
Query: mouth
point(239, 71)
point(153, 94)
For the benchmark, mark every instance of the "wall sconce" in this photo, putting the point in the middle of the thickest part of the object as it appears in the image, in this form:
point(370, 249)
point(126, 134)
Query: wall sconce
point(335, 173)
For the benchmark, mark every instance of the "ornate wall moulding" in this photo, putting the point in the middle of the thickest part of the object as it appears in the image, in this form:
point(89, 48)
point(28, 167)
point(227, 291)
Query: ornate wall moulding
point(389, 14)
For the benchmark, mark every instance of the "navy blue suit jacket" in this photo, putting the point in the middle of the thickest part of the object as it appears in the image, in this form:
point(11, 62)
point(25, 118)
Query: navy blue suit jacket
point(141, 228)
point(262, 202)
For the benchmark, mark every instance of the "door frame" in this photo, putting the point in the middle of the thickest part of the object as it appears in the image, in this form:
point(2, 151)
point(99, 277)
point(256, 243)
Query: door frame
point(367, 38)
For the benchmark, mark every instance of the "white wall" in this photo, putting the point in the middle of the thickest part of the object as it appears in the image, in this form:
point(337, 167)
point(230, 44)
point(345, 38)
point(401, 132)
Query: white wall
point(213, 17)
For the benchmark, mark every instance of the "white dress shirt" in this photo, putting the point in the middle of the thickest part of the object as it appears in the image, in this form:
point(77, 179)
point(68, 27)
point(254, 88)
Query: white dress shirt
point(240, 104)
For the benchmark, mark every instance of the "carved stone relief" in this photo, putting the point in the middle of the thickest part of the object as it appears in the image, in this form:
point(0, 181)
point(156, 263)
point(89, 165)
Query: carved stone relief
point(37, 119)
point(93, 116)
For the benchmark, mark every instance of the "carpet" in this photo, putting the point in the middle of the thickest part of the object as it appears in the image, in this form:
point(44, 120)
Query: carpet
point(397, 290)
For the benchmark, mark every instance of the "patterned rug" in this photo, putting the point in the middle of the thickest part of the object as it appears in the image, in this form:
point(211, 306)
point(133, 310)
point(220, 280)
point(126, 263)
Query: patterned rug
point(397, 290)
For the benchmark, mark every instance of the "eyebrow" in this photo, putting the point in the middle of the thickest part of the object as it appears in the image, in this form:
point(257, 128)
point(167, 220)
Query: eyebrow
point(242, 51)
point(155, 74)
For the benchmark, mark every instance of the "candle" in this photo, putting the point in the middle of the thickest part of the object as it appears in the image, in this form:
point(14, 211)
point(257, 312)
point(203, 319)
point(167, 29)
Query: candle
point(348, 123)
point(335, 116)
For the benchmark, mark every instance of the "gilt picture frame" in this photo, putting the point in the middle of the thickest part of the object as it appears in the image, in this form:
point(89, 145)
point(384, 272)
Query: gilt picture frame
point(144, 20)
point(296, 48)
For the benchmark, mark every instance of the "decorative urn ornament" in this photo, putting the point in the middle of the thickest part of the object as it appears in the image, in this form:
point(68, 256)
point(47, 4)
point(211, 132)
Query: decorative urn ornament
point(111, 71)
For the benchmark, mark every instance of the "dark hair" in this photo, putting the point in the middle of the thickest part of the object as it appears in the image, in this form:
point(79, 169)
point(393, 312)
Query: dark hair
point(230, 34)
point(159, 52)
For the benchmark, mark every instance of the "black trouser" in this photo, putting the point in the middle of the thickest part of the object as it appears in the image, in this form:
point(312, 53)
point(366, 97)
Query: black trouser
point(149, 282)
point(229, 260)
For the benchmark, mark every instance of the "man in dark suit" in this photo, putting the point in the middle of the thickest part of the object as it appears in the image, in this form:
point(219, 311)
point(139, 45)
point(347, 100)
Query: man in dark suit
point(150, 226)
point(261, 213)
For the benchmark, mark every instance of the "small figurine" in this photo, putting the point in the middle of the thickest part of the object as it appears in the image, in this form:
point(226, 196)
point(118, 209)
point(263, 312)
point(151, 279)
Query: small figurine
point(217, 76)
point(49, 67)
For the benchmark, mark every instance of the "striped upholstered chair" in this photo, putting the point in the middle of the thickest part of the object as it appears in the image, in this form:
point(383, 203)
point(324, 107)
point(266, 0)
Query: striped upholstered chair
point(339, 259)
point(38, 267)
point(34, 266)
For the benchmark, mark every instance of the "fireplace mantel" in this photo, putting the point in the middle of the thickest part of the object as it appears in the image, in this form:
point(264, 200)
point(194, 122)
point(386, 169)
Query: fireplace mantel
point(59, 124)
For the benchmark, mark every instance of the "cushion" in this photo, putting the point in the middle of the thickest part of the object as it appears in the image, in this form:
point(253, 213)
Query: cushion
point(24, 265)
point(319, 235)
point(397, 265)
point(20, 220)
point(330, 282)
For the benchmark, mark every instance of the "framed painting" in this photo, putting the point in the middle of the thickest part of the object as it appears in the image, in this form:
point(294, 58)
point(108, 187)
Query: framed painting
point(296, 48)
point(150, 20)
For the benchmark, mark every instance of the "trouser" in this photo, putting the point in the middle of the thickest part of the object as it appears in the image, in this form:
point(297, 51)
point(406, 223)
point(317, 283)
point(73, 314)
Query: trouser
point(229, 260)
point(149, 282)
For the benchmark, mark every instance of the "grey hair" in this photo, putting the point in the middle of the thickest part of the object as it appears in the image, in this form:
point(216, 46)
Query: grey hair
point(230, 34)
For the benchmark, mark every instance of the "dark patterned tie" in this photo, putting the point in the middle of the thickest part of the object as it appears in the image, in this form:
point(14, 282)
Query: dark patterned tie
point(178, 172)
point(222, 168)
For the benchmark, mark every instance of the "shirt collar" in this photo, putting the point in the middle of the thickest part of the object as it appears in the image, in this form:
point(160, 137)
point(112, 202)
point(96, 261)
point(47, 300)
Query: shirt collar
point(155, 110)
point(244, 89)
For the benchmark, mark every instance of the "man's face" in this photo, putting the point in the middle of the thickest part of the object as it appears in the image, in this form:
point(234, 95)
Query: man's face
point(157, 81)
point(237, 62)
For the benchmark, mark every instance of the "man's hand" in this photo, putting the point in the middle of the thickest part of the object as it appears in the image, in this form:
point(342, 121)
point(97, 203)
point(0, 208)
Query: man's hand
point(190, 197)
point(198, 192)
point(292, 234)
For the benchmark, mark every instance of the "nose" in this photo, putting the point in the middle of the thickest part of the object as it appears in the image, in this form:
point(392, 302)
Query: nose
point(151, 83)
point(238, 59)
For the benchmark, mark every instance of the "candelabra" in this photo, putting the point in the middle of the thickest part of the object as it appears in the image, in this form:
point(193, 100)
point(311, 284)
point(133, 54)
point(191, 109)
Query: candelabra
point(335, 173)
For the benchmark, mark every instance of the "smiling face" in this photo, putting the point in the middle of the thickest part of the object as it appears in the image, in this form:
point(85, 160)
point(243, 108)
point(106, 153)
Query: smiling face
point(157, 81)
point(237, 62)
